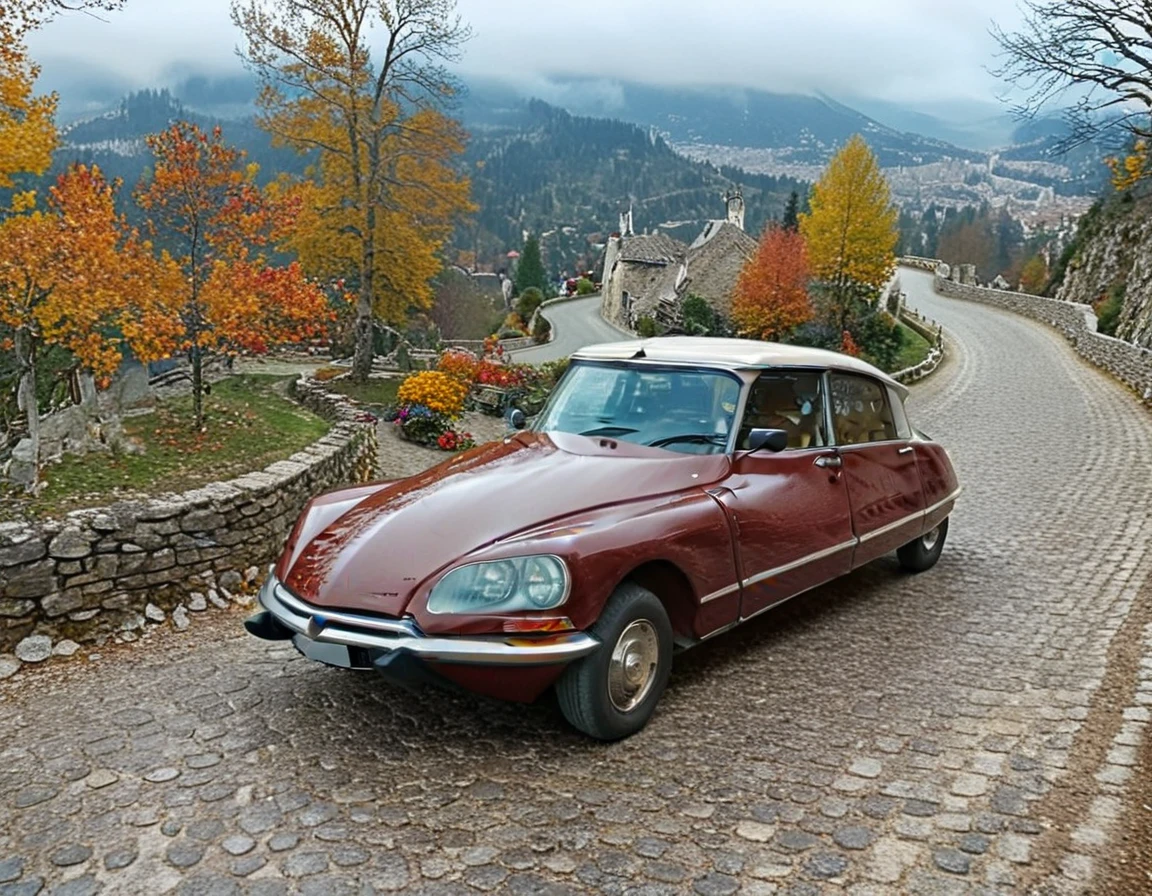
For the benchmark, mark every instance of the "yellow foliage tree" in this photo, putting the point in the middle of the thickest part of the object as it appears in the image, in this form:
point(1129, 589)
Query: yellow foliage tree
point(851, 230)
point(27, 127)
point(383, 194)
point(1132, 169)
point(75, 275)
point(1034, 275)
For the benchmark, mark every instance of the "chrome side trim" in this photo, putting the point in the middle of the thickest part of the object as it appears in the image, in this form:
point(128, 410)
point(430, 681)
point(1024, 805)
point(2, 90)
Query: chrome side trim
point(723, 592)
point(914, 517)
point(796, 564)
point(817, 556)
point(374, 633)
point(939, 504)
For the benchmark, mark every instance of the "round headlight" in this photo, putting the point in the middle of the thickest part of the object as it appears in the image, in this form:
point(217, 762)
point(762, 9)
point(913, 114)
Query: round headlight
point(544, 581)
point(493, 582)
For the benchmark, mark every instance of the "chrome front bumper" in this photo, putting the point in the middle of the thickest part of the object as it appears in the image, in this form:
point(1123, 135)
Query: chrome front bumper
point(376, 633)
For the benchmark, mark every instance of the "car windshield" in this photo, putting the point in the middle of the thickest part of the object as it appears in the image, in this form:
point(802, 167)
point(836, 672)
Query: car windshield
point(689, 410)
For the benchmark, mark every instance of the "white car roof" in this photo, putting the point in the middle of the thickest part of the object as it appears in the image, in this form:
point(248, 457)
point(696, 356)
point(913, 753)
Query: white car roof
point(738, 354)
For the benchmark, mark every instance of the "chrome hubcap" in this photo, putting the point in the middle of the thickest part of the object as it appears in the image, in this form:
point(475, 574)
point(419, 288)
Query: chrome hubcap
point(632, 669)
point(929, 539)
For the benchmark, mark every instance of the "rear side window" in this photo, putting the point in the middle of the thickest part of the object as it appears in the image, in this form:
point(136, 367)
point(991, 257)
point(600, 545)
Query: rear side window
point(903, 427)
point(861, 410)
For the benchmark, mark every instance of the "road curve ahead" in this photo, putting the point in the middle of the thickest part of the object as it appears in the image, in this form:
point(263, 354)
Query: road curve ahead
point(575, 324)
point(951, 732)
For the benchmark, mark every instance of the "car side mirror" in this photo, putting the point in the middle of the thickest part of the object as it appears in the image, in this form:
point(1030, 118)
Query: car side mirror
point(517, 419)
point(772, 439)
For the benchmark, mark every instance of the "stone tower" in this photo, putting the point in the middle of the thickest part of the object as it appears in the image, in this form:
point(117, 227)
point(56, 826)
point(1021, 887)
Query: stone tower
point(734, 200)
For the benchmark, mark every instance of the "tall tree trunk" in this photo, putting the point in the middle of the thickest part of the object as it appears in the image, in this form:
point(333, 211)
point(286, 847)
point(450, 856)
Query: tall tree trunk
point(196, 355)
point(26, 390)
point(362, 359)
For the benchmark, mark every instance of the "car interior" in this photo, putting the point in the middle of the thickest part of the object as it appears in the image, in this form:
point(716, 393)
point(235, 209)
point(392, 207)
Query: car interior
point(791, 402)
point(860, 411)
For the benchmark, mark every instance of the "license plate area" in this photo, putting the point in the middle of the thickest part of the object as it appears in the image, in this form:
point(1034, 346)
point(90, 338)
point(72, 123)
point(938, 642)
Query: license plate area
point(333, 654)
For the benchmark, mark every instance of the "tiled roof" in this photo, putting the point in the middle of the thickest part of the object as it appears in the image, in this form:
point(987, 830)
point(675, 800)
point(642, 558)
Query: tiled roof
point(653, 248)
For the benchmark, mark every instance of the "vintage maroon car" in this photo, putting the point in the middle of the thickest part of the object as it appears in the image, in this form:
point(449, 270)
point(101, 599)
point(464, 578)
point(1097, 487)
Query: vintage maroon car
point(669, 490)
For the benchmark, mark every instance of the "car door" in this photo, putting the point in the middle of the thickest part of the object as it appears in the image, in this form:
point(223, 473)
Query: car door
point(879, 464)
point(790, 508)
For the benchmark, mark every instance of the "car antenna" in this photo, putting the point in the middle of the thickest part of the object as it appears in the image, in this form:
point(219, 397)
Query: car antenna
point(639, 354)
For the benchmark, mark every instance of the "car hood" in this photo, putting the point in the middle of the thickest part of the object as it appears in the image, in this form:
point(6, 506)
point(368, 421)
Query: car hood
point(376, 553)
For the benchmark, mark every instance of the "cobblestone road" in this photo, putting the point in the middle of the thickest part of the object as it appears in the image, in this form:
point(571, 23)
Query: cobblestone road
point(968, 730)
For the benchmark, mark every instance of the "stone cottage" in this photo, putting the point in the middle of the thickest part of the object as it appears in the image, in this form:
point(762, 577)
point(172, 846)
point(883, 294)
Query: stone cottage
point(650, 274)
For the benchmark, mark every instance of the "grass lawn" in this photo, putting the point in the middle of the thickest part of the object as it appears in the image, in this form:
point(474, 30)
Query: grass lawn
point(248, 425)
point(375, 391)
point(915, 349)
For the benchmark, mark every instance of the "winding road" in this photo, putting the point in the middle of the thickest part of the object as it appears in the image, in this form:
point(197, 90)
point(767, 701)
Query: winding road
point(575, 324)
point(968, 730)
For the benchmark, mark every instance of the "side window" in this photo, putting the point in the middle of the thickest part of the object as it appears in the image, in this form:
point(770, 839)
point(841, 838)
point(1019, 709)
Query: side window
point(789, 400)
point(861, 411)
point(903, 427)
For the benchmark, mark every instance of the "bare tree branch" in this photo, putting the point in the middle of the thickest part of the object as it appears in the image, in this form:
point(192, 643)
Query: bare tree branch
point(1090, 60)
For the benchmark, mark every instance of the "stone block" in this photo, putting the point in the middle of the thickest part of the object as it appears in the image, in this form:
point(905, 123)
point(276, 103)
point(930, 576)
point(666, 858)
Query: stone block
point(162, 560)
point(202, 521)
point(34, 580)
point(61, 602)
point(14, 609)
point(23, 552)
point(71, 544)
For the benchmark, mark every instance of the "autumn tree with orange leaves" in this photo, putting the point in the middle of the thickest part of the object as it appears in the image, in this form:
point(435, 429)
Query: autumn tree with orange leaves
point(771, 296)
point(217, 227)
point(360, 84)
point(75, 275)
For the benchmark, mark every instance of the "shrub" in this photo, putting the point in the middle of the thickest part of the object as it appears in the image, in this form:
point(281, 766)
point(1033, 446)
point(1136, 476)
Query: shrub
point(1108, 310)
point(698, 316)
point(646, 326)
point(880, 339)
point(585, 287)
point(542, 332)
point(531, 299)
point(435, 390)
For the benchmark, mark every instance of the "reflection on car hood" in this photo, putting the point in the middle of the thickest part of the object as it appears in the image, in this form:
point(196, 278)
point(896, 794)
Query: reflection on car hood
point(375, 555)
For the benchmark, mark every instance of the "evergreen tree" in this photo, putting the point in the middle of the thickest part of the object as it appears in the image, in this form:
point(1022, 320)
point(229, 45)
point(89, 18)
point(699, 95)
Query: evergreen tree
point(792, 212)
point(530, 269)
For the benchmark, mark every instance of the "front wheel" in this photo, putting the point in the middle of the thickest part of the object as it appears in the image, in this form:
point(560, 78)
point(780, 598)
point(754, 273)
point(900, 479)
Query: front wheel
point(612, 693)
point(923, 552)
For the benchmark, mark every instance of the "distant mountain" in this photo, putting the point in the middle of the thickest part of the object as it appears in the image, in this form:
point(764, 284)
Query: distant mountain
point(806, 130)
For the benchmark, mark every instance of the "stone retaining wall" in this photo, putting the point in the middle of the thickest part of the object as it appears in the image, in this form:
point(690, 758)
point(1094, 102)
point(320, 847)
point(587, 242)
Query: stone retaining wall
point(1129, 363)
point(108, 571)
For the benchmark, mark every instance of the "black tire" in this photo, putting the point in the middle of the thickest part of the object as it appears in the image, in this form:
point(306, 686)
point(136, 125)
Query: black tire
point(584, 690)
point(923, 552)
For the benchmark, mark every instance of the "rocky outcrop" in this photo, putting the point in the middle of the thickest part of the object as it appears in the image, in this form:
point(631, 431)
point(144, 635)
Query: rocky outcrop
point(1113, 256)
point(113, 570)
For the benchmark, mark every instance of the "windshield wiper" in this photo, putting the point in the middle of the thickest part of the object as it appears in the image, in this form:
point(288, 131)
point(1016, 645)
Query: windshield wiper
point(711, 438)
point(608, 431)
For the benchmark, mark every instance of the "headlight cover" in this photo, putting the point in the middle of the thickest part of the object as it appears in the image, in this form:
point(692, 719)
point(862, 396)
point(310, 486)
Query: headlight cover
point(538, 582)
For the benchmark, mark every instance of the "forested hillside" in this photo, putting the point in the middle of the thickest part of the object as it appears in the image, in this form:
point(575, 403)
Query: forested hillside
point(541, 170)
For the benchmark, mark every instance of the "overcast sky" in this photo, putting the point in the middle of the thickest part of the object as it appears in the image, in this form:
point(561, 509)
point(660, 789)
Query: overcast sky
point(913, 51)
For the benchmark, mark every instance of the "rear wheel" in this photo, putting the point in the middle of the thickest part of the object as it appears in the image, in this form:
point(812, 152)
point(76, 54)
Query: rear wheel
point(923, 552)
point(612, 693)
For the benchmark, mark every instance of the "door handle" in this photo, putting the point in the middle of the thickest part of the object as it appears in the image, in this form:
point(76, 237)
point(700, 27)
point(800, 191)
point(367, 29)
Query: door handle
point(829, 461)
point(907, 450)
